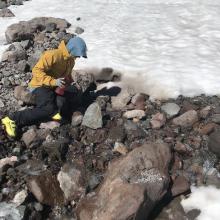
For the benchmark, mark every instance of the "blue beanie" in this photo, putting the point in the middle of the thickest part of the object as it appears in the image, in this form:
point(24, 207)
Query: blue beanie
point(77, 47)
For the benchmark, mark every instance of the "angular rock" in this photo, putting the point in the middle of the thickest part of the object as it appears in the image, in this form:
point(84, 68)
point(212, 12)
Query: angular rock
point(33, 59)
point(6, 13)
point(180, 185)
point(77, 119)
point(71, 182)
point(214, 142)
point(25, 29)
point(171, 109)
point(132, 187)
point(9, 211)
point(46, 189)
point(158, 120)
point(93, 117)
point(29, 137)
point(187, 119)
point(139, 114)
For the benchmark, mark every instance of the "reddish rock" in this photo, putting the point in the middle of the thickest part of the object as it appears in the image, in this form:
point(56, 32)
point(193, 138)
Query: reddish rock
point(207, 129)
point(187, 119)
point(133, 186)
point(180, 185)
point(158, 120)
point(45, 187)
point(182, 148)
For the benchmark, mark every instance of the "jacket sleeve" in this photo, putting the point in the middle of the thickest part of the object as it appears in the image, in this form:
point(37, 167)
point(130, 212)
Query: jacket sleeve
point(41, 69)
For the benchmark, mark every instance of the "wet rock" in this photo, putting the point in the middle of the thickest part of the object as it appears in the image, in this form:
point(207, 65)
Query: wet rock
point(180, 185)
point(132, 187)
point(203, 113)
point(20, 197)
point(79, 30)
point(120, 148)
point(71, 182)
point(171, 109)
point(77, 119)
point(21, 93)
point(158, 120)
point(29, 137)
point(46, 189)
point(187, 119)
point(139, 114)
point(93, 117)
point(25, 29)
point(6, 12)
point(9, 211)
point(214, 143)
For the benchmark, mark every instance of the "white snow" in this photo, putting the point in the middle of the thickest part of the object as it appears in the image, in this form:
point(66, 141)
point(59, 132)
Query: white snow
point(205, 199)
point(167, 47)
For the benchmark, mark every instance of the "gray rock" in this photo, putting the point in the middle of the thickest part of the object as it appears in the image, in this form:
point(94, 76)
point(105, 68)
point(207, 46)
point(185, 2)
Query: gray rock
point(25, 29)
point(50, 27)
point(187, 119)
point(79, 30)
point(133, 185)
point(93, 117)
point(94, 181)
point(15, 52)
point(71, 182)
point(216, 118)
point(2, 5)
point(214, 143)
point(9, 211)
point(171, 109)
point(33, 59)
point(1, 104)
point(6, 12)
point(77, 119)
point(20, 197)
point(21, 66)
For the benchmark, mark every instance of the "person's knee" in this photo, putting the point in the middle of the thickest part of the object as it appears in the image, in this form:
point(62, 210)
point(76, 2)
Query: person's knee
point(50, 109)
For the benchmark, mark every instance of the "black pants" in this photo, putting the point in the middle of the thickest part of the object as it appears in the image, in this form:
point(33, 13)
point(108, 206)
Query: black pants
point(45, 108)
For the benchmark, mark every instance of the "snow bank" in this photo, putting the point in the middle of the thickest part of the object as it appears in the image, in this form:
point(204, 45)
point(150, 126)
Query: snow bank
point(206, 199)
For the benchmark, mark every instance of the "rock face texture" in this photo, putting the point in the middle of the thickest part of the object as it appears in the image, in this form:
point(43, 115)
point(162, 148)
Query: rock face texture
point(132, 187)
point(25, 29)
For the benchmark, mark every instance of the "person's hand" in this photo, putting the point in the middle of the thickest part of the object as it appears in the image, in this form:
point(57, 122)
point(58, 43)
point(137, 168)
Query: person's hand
point(60, 82)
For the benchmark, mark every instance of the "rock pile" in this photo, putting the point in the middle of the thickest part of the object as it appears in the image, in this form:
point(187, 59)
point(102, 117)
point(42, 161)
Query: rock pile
point(121, 156)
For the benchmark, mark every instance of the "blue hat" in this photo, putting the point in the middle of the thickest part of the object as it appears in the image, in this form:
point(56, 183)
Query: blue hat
point(77, 47)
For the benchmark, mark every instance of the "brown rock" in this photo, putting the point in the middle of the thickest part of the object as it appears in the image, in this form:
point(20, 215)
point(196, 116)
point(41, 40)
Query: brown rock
point(46, 189)
point(158, 120)
point(132, 187)
point(22, 94)
point(29, 137)
point(180, 185)
point(207, 129)
point(205, 112)
point(182, 148)
point(187, 119)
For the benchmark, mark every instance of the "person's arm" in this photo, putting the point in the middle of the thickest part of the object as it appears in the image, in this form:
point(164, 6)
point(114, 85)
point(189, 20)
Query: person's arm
point(42, 67)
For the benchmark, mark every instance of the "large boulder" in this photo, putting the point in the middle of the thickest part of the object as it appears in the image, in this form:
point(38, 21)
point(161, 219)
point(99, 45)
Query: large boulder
point(132, 187)
point(25, 29)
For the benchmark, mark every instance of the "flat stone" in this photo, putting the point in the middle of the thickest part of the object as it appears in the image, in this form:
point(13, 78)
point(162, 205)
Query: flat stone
point(171, 109)
point(93, 117)
point(134, 114)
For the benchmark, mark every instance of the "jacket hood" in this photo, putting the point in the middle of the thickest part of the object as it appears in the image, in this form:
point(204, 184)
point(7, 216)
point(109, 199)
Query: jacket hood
point(77, 47)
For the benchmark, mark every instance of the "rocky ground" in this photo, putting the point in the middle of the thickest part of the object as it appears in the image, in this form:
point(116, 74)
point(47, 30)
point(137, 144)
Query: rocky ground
point(121, 156)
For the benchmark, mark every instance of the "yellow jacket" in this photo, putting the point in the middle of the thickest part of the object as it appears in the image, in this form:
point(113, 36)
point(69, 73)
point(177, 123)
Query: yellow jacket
point(52, 65)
